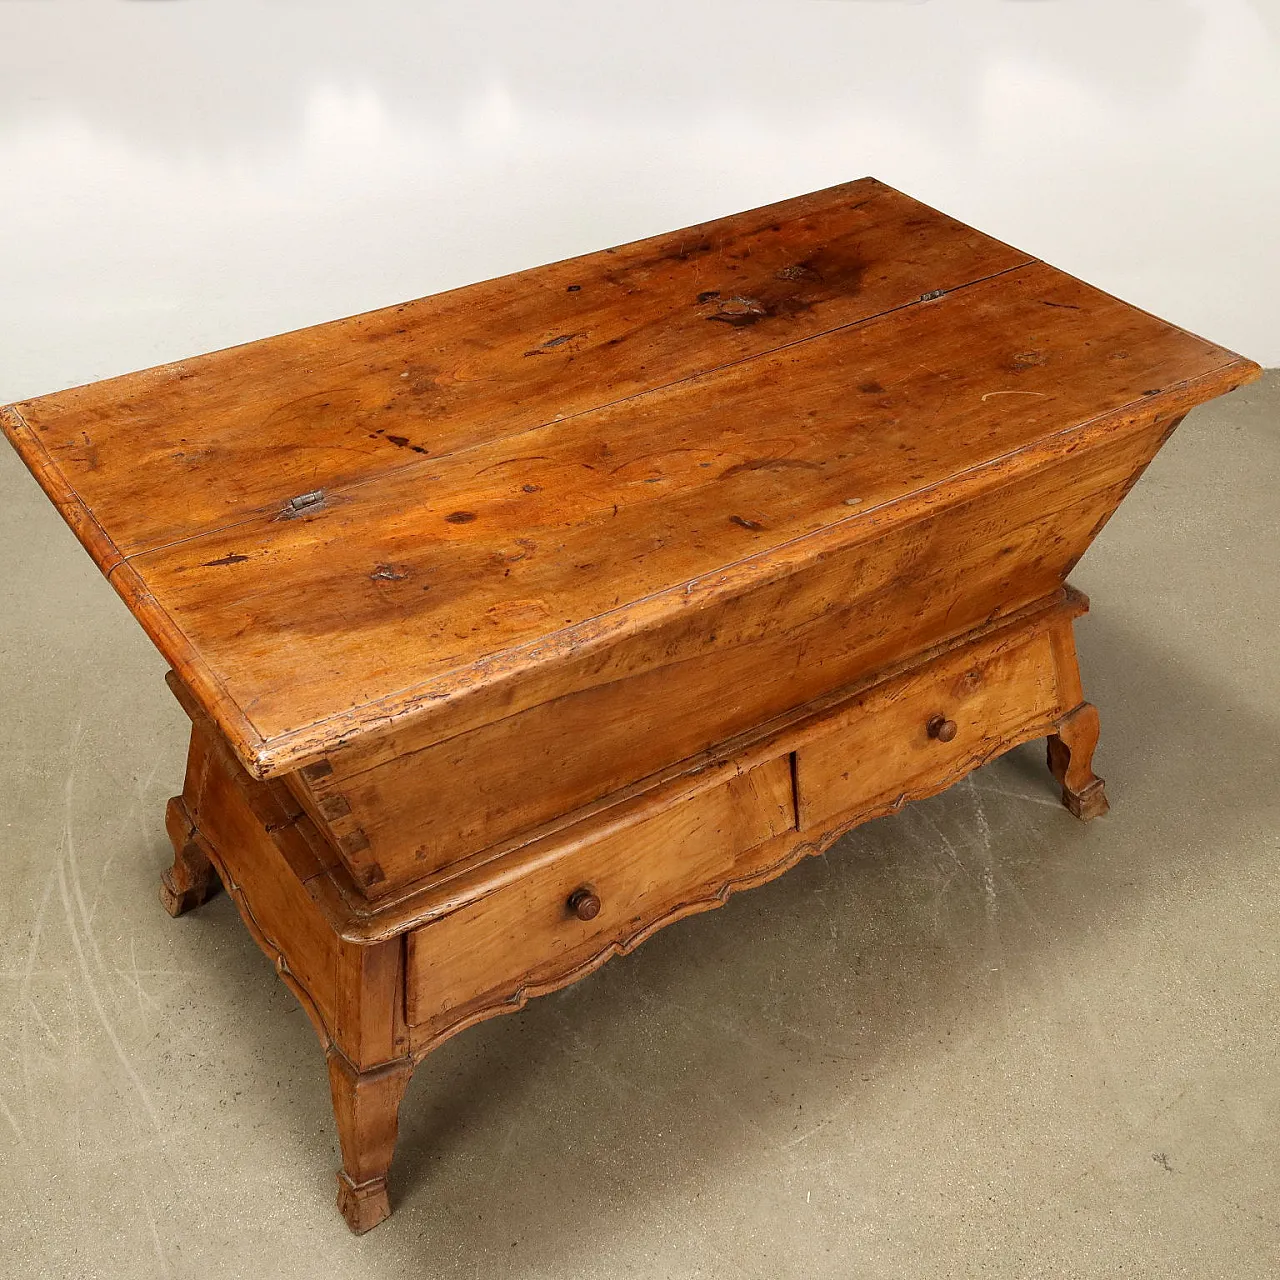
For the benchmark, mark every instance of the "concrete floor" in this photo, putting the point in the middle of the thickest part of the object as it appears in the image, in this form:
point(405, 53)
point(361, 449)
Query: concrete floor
point(976, 1039)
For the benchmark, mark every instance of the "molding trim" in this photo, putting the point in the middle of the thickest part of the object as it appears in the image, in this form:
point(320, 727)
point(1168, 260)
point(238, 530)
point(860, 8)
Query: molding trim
point(776, 857)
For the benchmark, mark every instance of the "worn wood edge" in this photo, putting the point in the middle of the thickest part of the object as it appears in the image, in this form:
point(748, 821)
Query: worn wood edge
point(794, 846)
point(174, 645)
point(269, 757)
point(129, 586)
point(283, 752)
point(951, 217)
point(489, 870)
point(1254, 370)
point(1251, 370)
point(48, 475)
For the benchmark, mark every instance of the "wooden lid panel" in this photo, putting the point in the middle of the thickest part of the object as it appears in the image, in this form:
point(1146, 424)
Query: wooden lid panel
point(186, 448)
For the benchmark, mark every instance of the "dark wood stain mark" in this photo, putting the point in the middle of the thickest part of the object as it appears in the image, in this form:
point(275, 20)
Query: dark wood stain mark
point(872, 388)
point(1062, 306)
point(574, 288)
point(460, 517)
point(822, 276)
point(531, 488)
point(314, 772)
point(707, 295)
point(403, 442)
point(233, 558)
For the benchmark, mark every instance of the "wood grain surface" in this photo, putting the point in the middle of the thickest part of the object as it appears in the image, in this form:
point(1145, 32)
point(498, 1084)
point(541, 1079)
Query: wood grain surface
point(881, 746)
point(611, 444)
point(205, 443)
point(527, 932)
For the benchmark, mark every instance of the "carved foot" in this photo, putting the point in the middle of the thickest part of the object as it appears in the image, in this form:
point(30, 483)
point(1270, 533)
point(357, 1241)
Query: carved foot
point(1071, 763)
point(366, 1105)
point(363, 1206)
point(191, 880)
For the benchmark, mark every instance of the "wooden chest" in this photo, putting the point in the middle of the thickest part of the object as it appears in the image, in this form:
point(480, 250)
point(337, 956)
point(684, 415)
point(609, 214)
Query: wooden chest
point(517, 622)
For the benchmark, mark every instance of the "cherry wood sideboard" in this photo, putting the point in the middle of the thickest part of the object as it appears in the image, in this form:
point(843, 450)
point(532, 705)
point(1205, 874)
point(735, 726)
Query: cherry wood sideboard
point(517, 622)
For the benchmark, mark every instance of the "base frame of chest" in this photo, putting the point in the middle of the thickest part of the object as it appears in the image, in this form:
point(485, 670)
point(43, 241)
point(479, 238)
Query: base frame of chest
point(383, 985)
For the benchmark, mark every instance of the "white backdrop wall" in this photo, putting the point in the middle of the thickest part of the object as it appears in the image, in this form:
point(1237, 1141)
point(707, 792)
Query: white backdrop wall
point(183, 176)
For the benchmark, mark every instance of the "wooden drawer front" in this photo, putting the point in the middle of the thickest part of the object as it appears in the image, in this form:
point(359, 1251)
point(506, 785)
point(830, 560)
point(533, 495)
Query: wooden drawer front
point(525, 935)
point(881, 748)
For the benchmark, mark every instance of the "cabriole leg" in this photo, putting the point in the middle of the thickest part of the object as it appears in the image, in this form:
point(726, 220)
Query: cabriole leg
point(1071, 762)
point(191, 880)
point(366, 1105)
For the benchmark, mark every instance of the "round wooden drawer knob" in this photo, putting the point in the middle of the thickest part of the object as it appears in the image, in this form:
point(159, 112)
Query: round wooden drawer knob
point(584, 904)
point(941, 728)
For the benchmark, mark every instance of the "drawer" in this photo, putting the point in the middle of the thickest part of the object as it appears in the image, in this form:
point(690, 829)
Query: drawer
point(916, 734)
point(528, 935)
